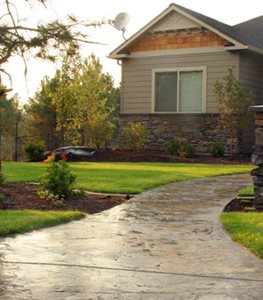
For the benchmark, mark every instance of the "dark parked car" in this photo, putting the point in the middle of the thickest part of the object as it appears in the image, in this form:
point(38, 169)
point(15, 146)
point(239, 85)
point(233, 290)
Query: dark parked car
point(73, 153)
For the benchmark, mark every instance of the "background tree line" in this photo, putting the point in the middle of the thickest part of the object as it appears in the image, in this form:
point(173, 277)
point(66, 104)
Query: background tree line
point(78, 106)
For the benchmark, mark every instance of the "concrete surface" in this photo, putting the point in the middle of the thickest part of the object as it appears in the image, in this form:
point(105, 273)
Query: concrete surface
point(166, 243)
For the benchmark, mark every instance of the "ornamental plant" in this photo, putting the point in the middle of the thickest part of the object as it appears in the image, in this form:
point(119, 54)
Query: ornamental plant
point(58, 180)
point(173, 147)
point(233, 103)
point(34, 151)
point(217, 149)
point(136, 135)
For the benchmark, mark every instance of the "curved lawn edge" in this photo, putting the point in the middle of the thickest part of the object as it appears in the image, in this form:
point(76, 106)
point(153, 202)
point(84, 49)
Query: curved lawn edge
point(22, 221)
point(245, 229)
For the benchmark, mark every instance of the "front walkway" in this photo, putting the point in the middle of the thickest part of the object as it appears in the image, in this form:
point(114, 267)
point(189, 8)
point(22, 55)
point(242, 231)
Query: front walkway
point(166, 243)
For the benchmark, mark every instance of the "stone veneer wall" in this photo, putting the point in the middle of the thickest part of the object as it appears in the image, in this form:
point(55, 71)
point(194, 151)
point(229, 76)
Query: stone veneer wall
point(199, 130)
point(257, 157)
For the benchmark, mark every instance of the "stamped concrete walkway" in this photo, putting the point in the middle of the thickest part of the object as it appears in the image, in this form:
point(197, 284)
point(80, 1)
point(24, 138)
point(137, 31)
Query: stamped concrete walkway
point(166, 243)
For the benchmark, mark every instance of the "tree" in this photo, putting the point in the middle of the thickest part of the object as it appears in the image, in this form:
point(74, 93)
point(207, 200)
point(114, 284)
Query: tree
point(232, 103)
point(80, 101)
point(97, 99)
point(47, 40)
point(84, 101)
point(9, 115)
point(41, 115)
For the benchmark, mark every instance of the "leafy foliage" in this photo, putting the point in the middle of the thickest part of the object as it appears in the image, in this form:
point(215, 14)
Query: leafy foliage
point(173, 147)
point(58, 180)
point(10, 116)
point(232, 103)
point(135, 136)
point(186, 150)
point(35, 151)
point(40, 118)
point(78, 106)
point(217, 149)
point(2, 178)
point(181, 149)
point(48, 40)
point(2, 197)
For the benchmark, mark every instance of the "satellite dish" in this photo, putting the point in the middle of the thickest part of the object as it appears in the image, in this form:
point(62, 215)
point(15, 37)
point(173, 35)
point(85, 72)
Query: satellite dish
point(121, 21)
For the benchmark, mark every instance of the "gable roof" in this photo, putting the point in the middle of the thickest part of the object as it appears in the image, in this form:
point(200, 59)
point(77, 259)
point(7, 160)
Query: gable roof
point(251, 32)
point(246, 35)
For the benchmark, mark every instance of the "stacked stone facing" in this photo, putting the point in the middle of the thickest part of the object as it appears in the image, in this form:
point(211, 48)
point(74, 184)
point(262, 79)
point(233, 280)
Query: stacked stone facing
point(199, 130)
point(257, 157)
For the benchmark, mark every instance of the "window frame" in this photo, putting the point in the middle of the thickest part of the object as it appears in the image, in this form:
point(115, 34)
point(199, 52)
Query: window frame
point(178, 70)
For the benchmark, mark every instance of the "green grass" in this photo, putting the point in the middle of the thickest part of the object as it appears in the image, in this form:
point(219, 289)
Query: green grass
point(246, 229)
point(246, 192)
point(129, 178)
point(20, 221)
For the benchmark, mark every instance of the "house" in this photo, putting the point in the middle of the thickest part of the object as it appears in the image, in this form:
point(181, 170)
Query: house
point(169, 69)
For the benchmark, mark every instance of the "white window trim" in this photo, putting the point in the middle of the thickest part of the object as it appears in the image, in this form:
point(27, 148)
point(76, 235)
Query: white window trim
point(181, 69)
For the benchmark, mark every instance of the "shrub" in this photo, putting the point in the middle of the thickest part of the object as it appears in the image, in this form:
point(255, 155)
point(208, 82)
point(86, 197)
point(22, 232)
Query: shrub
point(2, 198)
point(186, 150)
point(136, 135)
point(180, 148)
point(173, 147)
point(2, 178)
point(35, 151)
point(217, 149)
point(58, 180)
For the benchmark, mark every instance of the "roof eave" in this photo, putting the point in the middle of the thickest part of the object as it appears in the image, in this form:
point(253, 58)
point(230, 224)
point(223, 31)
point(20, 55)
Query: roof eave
point(245, 47)
point(118, 56)
point(255, 50)
point(172, 7)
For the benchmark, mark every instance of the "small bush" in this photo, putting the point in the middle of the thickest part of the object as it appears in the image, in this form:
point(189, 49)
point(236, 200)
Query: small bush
point(2, 178)
point(136, 135)
point(2, 197)
point(186, 150)
point(58, 180)
point(217, 149)
point(35, 151)
point(181, 149)
point(173, 147)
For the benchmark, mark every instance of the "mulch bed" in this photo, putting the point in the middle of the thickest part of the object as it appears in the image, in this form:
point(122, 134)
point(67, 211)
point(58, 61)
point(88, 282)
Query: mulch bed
point(24, 196)
point(158, 156)
point(243, 204)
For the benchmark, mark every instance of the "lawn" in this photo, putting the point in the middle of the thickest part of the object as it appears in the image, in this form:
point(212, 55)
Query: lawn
point(130, 178)
point(246, 229)
point(14, 221)
point(127, 178)
point(247, 192)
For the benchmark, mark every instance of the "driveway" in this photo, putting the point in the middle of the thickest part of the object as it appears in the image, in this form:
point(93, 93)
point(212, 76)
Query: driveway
point(166, 243)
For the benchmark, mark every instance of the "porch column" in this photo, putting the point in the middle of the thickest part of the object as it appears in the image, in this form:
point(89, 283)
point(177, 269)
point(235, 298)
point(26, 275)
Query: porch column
point(257, 157)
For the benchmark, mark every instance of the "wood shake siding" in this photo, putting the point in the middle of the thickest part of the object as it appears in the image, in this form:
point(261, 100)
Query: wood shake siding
point(177, 41)
point(137, 76)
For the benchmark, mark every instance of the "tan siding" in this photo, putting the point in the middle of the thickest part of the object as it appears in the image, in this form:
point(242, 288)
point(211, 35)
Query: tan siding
point(137, 76)
point(252, 79)
point(173, 21)
point(251, 75)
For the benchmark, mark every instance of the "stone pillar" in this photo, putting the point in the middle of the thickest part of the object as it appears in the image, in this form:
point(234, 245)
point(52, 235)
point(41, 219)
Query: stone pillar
point(257, 157)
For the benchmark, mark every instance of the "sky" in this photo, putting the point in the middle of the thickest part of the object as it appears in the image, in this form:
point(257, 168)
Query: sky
point(141, 12)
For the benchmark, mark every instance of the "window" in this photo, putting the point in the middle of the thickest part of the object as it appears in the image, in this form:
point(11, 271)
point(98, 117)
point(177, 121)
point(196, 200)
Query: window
point(179, 90)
